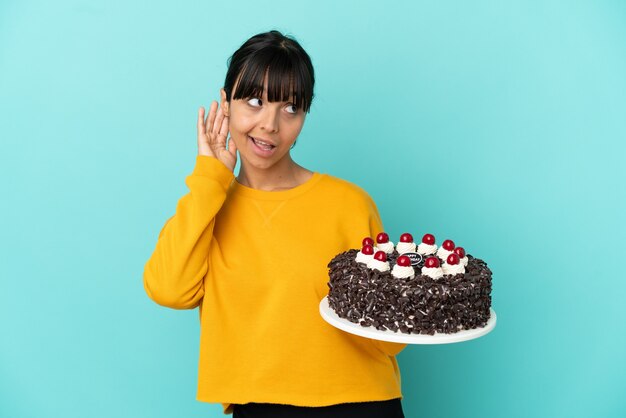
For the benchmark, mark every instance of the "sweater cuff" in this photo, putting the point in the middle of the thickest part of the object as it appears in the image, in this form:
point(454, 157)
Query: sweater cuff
point(212, 167)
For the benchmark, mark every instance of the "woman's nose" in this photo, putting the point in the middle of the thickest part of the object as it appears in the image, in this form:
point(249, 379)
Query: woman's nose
point(269, 122)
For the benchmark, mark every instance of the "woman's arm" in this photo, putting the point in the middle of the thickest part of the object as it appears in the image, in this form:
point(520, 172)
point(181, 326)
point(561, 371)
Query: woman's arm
point(174, 274)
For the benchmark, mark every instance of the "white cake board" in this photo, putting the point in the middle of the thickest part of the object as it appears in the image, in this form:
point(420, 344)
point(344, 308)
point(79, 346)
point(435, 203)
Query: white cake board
point(333, 319)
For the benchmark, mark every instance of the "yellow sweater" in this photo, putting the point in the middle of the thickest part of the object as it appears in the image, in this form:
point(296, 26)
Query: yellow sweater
point(255, 262)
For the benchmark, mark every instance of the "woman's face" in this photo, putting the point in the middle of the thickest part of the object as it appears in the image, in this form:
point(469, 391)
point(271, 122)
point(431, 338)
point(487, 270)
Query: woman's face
point(263, 132)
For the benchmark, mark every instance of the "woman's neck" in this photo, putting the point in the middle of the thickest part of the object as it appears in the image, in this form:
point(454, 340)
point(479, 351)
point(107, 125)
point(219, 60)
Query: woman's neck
point(278, 177)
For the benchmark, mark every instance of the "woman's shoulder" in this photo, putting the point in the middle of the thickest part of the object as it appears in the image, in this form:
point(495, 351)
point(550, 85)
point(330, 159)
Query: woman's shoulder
point(347, 189)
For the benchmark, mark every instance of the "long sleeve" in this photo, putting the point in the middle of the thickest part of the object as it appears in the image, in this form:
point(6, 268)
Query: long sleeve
point(174, 274)
point(376, 226)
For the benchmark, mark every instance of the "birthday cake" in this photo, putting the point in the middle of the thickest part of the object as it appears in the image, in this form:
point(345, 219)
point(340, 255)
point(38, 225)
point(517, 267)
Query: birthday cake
point(410, 288)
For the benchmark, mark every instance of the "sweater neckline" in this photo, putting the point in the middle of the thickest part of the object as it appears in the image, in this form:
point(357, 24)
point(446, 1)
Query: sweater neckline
point(240, 189)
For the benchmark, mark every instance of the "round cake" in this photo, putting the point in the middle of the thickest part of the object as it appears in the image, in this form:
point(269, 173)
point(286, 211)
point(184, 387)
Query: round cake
point(414, 289)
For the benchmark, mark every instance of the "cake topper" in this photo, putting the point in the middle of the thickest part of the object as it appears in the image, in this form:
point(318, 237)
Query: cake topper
point(383, 243)
point(406, 244)
point(428, 239)
point(460, 251)
point(431, 262)
point(448, 245)
point(452, 266)
point(446, 249)
point(427, 246)
point(365, 255)
point(431, 268)
point(406, 237)
point(379, 262)
point(403, 261)
point(382, 238)
point(403, 269)
point(453, 259)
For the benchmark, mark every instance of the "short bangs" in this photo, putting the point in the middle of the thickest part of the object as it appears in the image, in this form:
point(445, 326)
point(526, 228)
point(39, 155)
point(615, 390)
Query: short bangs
point(287, 66)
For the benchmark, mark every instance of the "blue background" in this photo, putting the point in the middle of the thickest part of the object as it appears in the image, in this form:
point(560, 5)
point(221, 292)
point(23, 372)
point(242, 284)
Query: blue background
point(500, 125)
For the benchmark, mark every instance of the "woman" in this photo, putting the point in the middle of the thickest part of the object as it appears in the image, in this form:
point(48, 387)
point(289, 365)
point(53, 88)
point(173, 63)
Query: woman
point(251, 252)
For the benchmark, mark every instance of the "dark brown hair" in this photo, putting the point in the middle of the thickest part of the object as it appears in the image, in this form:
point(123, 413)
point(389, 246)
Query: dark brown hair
point(286, 63)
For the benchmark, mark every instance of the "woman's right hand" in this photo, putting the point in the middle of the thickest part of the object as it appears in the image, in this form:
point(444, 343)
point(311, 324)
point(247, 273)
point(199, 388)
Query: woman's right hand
point(212, 135)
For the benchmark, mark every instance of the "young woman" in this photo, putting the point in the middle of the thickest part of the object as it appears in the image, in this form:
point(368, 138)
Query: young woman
point(252, 253)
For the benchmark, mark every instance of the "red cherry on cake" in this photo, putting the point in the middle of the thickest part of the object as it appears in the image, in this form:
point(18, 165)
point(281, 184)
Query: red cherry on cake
point(428, 239)
point(453, 259)
point(382, 238)
point(406, 237)
point(431, 262)
point(367, 249)
point(380, 256)
point(368, 241)
point(403, 261)
point(460, 251)
point(448, 245)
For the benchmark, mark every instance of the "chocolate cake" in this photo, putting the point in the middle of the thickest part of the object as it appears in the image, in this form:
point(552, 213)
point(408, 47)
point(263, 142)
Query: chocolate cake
point(385, 291)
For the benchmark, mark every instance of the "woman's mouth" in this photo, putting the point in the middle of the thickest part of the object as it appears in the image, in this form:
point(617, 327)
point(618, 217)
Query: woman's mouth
point(262, 147)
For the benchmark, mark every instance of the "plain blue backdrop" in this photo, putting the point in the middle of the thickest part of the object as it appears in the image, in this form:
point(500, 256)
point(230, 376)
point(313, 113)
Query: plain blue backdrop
point(500, 125)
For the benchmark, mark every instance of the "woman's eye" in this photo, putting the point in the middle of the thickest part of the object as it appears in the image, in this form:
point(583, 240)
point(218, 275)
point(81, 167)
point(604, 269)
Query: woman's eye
point(292, 108)
point(255, 101)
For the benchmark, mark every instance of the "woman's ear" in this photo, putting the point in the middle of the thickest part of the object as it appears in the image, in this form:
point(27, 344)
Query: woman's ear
point(224, 103)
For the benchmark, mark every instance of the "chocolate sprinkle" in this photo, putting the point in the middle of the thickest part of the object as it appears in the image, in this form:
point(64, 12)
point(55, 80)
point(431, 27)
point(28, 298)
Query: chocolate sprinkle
point(419, 305)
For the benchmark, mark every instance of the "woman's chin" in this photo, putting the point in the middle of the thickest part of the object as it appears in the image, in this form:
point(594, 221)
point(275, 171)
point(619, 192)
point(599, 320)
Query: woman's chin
point(251, 160)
